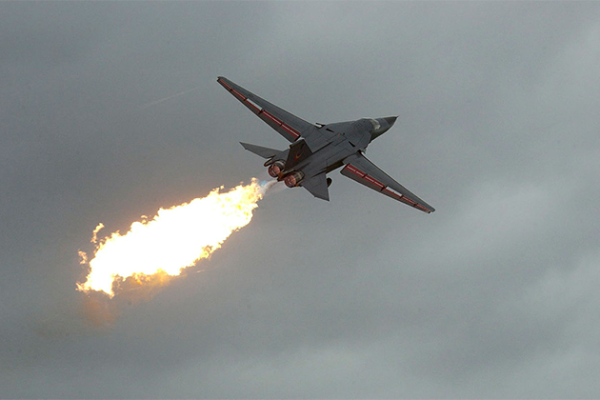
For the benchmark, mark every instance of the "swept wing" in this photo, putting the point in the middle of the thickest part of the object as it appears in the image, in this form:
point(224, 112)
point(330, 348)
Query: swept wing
point(287, 124)
point(363, 171)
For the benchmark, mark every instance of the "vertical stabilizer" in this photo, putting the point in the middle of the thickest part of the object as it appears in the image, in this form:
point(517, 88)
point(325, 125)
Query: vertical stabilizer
point(299, 151)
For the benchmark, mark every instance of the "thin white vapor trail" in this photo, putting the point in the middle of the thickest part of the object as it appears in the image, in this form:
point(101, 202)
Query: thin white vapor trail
point(167, 98)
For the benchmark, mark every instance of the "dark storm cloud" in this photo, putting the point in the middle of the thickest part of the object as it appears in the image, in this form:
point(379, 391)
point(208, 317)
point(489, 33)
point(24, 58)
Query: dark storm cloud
point(494, 295)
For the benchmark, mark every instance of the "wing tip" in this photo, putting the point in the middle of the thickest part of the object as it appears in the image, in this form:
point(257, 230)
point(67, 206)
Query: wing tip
point(426, 208)
point(226, 83)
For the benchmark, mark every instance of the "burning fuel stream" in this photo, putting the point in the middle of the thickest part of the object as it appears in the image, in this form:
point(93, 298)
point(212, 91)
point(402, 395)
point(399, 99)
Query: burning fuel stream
point(176, 238)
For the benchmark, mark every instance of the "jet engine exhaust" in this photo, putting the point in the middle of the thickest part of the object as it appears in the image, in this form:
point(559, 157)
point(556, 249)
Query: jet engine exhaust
point(173, 240)
point(293, 179)
point(276, 168)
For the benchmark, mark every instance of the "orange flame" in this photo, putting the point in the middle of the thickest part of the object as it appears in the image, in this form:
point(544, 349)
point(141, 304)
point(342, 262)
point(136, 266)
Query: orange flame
point(176, 238)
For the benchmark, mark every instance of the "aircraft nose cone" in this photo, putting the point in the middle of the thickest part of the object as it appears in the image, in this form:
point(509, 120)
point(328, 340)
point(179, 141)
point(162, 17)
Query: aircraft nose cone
point(390, 120)
point(382, 125)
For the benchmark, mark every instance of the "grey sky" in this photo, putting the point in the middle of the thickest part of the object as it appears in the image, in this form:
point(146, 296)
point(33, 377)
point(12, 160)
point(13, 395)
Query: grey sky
point(493, 295)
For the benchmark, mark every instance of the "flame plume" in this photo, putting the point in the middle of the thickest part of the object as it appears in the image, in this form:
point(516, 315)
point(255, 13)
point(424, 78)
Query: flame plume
point(176, 238)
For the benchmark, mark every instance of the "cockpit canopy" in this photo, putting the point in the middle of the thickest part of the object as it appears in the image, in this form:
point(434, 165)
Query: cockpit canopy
point(380, 125)
point(376, 124)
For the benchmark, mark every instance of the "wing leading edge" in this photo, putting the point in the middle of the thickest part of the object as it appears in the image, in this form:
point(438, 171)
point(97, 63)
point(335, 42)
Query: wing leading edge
point(363, 171)
point(287, 124)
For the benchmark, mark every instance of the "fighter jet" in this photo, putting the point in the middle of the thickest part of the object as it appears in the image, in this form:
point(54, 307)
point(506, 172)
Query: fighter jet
point(318, 149)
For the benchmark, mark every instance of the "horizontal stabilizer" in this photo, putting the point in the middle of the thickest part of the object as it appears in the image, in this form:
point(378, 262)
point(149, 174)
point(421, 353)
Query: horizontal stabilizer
point(317, 186)
point(264, 152)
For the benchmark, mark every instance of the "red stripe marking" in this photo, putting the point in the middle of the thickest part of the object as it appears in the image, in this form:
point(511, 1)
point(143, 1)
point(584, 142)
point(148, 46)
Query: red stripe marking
point(251, 105)
point(420, 207)
point(355, 171)
point(291, 131)
point(406, 200)
point(241, 96)
point(222, 82)
point(272, 118)
point(374, 181)
point(409, 201)
point(396, 195)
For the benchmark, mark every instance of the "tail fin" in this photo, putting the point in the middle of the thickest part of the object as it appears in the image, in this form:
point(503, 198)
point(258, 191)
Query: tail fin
point(298, 152)
point(264, 152)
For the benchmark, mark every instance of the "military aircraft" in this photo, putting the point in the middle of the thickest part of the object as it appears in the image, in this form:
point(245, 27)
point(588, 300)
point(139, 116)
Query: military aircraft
point(318, 149)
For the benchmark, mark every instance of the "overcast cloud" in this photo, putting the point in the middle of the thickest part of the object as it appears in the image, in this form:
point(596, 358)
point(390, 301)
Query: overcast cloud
point(493, 295)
